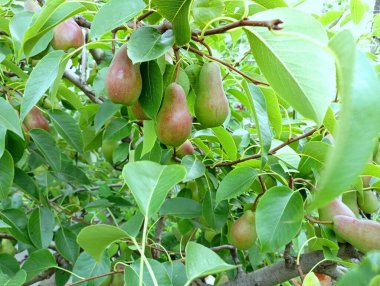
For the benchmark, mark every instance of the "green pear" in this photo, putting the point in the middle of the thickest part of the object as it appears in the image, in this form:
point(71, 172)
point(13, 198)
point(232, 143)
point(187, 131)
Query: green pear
point(350, 200)
point(368, 203)
point(118, 279)
point(35, 119)
point(211, 105)
point(173, 125)
point(67, 35)
point(242, 233)
point(123, 79)
point(7, 247)
point(362, 234)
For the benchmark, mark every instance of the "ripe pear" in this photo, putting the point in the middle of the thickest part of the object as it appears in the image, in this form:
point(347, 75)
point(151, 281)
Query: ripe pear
point(242, 233)
point(211, 105)
point(362, 234)
point(369, 203)
point(185, 149)
point(138, 112)
point(123, 79)
point(67, 35)
point(350, 199)
point(174, 121)
point(336, 207)
point(35, 119)
point(108, 148)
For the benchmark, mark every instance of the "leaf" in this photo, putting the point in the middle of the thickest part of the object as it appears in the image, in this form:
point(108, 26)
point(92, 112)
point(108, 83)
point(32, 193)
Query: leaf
point(237, 182)
point(6, 174)
point(18, 221)
point(65, 241)
point(170, 9)
point(194, 168)
point(215, 214)
point(273, 109)
point(38, 261)
point(282, 55)
point(148, 43)
point(314, 154)
point(47, 146)
point(9, 119)
point(181, 207)
point(279, 217)
point(150, 136)
point(68, 128)
point(354, 143)
point(86, 267)
point(41, 78)
point(94, 239)
point(177, 272)
point(270, 4)
point(40, 227)
point(117, 129)
point(286, 154)
point(205, 11)
point(227, 141)
point(17, 280)
point(152, 88)
point(311, 280)
point(8, 264)
point(357, 9)
point(133, 225)
point(131, 274)
point(106, 111)
point(3, 132)
point(150, 182)
point(115, 13)
point(201, 261)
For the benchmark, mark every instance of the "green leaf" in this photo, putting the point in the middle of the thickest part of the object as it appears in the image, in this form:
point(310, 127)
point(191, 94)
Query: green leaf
point(150, 136)
point(152, 88)
point(177, 272)
point(94, 239)
point(170, 9)
point(194, 168)
point(41, 78)
point(227, 141)
point(18, 221)
point(86, 266)
point(270, 4)
point(237, 182)
point(115, 13)
point(148, 43)
point(8, 264)
point(17, 280)
point(181, 207)
point(117, 129)
point(45, 142)
point(205, 11)
point(131, 274)
point(282, 58)
point(6, 174)
point(65, 241)
point(311, 280)
point(314, 154)
point(9, 119)
point(68, 128)
point(40, 227)
point(38, 261)
point(106, 111)
point(150, 182)
point(273, 109)
point(279, 217)
point(26, 184)
point(356, 130)
point(133, 225)
point(201, 261)
point(357, 9)
point(3, 132)
point(215, 214)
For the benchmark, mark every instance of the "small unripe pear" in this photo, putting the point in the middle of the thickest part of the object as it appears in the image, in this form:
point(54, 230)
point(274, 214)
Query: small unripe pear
point(369, 203)
point(35, 119)
point(67, 35)
point(7, 247)
point(174, 121)
point(350, 199)
point(242, 233)
point(185, 149)
point(123, 79)
point(361, 234)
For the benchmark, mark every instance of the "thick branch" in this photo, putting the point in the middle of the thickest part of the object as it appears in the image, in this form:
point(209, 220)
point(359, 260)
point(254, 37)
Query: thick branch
point(85, 88)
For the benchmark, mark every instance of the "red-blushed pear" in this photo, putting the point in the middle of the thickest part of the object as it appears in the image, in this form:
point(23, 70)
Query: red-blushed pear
point(35, 119)
point(173, 125)
point(211, 105)
point(138, 112)
point(369, 202)
point(242, 233)
point(185, 149)
point(123, 79)
point(336, 207)
point(361, 234)
point(67, 35)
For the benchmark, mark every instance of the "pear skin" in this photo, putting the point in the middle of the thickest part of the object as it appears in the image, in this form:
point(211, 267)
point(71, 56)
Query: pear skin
point(173, 125)
point(67, 35)
point(211, 105)
point(123, 79)
point(361, 234)
point(350, 200)
point(138, 112)
point(185, 149)
point(336, 207)
point(369, 204)
point(35, 119)
point(242, 233)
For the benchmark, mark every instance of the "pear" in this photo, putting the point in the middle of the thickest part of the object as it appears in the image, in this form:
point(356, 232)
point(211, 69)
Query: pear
point(369, 203)
point(336, 207)
point(67, 35)
point(242, 233)
point(138, 112)
point(6, 246)
point(211, 105)
point(174, 121)
point(185, 149)
point(123, 79)
point(118, 279)
point(35, 119)
point(108, 148)
point(362, 234)
point(350, 199)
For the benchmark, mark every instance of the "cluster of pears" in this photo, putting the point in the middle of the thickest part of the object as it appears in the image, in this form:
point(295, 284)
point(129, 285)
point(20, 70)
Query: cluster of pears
point(242, 233)
point(174, 121)
point(362, 234)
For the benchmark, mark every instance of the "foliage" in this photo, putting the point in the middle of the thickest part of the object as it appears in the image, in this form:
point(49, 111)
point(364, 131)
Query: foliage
point(95, 196)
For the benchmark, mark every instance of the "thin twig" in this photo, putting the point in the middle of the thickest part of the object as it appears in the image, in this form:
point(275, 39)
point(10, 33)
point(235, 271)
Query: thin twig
point(314, 220)
point(94, 277)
